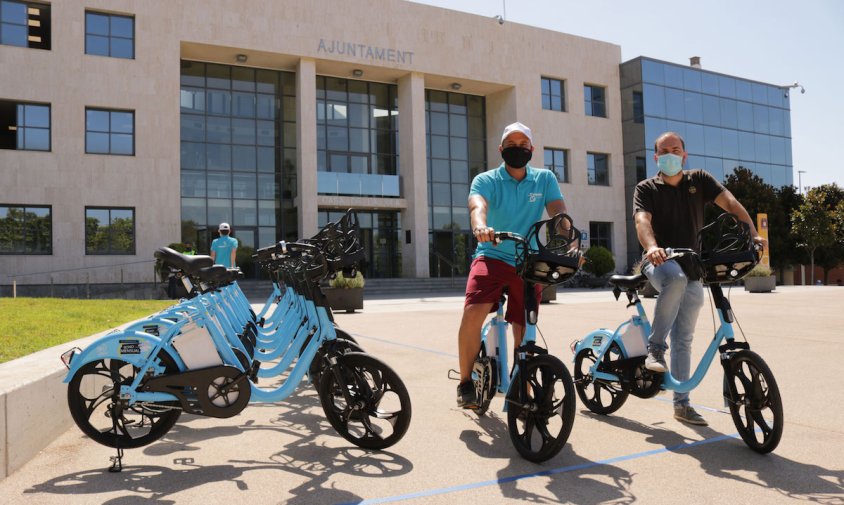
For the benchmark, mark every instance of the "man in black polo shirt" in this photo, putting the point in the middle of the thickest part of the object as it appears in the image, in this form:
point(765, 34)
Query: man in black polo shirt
point(668, 210)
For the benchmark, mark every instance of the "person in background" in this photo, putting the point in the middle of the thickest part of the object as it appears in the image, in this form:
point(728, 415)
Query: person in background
point(224, 247)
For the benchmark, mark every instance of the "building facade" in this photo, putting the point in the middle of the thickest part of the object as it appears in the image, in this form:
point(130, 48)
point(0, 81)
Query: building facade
point(726, 122)
point(140, 124)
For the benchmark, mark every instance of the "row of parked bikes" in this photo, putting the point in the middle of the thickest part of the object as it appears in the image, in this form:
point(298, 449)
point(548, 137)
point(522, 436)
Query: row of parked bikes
point(206, 354)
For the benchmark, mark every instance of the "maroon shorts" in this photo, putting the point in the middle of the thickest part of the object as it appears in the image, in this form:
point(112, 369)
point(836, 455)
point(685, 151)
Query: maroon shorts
point(488, 278)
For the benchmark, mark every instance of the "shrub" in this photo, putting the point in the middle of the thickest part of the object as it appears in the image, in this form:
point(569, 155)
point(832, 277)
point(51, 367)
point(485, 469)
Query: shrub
point(760, 270)
point(340, 281)
point(599, 261)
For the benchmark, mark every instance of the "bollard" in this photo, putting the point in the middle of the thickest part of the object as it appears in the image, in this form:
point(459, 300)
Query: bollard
point(14, 289)
point(87, 285)
point(52, 291)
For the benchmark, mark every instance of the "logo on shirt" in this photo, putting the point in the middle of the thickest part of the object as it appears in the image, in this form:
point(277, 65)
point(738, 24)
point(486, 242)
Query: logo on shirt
point(692, 189)
point(533, 196)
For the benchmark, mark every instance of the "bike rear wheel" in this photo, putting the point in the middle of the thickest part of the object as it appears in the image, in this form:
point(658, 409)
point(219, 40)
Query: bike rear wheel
point(757, 408)
point(92, 397)
point(540, 424)
point(599, 396)
point(484, 375)
point(368, 403)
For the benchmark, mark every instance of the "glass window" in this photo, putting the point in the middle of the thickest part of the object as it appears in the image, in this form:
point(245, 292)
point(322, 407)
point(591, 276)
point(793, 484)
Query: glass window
point(24, 126)
point(638, 107)
point(712, 141)
point(25, 24)
point(641, 169)
point(109, 230)
point(553, 94)
point(775, 120)
point(760, 119)
point(744, 90)
point(654, 97)
point(595, 100)
point(26, 229)
point(726, 86)
point(673, 76)
point(109, 35)
point(763, 148)
point(109, 132)
point(597, 169)
point(653, 72)
point(691, 79)
point(776, 96)
point(556, 160)
point(760, 93)
point(675, 104)
point(709, 83)
point(693, 104)
point(711, 110)
point(747, 146)
point(745, 116)
point(600, 234)
point(694, 138)
point(729, 113)
point(730, 144)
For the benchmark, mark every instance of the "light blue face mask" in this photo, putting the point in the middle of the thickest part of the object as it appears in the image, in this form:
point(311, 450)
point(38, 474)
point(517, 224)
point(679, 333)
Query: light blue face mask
point(670, 164)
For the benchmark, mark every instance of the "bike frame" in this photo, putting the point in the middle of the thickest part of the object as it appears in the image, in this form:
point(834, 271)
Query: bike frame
point(599, 341)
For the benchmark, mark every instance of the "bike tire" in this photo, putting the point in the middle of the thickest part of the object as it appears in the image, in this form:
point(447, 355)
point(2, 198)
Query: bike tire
point(92, 401)
point(320, 362)
point(484, 379)
point(600, 397)
point(540, 426)
point(380, 412)
point(758, 408)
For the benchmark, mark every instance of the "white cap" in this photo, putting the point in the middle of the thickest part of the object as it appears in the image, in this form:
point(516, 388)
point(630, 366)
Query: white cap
point(516, 127)
point(224, 227)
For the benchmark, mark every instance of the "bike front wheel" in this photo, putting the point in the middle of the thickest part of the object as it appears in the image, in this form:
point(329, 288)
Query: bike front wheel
point(541, 422)
point(92, 397)
point(757, 407)
point(365, 401)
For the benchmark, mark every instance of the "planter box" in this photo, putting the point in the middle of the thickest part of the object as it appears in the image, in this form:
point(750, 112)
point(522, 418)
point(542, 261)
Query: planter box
point(348, 300)
point(549, 294)
point(760, 284)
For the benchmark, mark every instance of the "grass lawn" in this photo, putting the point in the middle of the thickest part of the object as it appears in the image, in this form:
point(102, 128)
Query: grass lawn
point(31, 324)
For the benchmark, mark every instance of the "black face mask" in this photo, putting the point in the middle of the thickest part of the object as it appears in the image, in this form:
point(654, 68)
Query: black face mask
point(516, 157)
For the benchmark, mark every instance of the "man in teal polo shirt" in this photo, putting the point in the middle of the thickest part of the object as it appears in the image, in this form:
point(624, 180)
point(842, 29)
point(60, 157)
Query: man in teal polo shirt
point(509, 198)
point(224, 247)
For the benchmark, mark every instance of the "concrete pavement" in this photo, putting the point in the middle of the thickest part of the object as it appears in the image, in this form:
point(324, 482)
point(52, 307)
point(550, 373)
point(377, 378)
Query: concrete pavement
point(288, 453)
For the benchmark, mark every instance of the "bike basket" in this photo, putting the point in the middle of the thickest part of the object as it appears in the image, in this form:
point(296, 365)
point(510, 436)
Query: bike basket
point(727, 251)
point(551, 252)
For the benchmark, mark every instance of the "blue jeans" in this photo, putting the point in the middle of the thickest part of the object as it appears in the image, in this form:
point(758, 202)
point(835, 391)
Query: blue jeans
point(677, 307)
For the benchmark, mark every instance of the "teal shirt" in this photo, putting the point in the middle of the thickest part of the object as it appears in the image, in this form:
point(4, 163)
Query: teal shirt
point(513, 205)
point(223, 247)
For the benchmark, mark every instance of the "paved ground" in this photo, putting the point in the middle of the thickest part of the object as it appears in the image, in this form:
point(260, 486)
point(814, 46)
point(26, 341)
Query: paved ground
point(288, 453)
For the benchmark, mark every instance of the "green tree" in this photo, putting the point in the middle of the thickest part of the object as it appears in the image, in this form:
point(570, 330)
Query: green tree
point(813, 223)
point(829, 256)
point(785, 251)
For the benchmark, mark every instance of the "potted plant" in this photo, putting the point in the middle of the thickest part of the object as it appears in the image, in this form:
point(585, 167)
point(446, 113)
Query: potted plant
point(760, 280)
point(599, 263)
point(345, 293)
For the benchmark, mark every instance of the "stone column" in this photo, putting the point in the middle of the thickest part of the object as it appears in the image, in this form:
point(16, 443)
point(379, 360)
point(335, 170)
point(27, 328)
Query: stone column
point(414, 174)
point(306, 147)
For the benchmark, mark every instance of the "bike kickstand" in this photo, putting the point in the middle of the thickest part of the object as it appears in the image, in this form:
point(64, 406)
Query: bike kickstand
point(116, 461)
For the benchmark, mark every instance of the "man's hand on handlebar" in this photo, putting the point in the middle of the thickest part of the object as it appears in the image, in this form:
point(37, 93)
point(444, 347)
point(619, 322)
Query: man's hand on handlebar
point(485, 234)
point(656, 256)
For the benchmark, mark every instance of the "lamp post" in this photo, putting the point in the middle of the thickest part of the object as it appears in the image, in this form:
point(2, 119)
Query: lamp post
point(800, 190)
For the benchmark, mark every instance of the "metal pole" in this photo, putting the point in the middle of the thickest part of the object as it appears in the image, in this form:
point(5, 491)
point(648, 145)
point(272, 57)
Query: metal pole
point(14, 289)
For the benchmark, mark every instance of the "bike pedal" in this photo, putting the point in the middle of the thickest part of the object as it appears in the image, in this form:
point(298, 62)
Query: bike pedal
point(253, 371)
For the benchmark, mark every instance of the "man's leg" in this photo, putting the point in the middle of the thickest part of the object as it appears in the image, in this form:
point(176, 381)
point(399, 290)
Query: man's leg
point(671, 283)
point(469, 337)
point(682, 334)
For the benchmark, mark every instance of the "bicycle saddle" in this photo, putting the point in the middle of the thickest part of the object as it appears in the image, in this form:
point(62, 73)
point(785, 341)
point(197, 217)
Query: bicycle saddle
point(215, 273)
point(188, 264)
point(627, 282)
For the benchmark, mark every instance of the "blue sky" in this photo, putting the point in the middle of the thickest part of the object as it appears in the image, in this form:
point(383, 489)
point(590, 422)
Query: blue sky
point(773, 41)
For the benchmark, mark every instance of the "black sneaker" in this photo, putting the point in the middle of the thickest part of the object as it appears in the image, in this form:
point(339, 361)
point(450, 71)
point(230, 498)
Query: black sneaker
point(467, 397)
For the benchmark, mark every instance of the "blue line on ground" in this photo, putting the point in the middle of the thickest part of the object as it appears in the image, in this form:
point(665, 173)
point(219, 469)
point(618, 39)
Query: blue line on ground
point(416, 347)
point(544, 473)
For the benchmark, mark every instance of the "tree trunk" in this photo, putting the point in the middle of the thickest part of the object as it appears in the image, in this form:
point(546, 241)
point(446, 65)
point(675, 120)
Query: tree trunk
point(812, 267)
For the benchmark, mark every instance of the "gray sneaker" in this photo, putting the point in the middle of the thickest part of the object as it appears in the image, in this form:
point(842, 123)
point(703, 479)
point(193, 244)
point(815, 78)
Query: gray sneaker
point(687, 414)
point(655, 361)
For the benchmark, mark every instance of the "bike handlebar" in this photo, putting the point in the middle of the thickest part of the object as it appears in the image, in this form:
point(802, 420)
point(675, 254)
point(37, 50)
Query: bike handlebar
point(501, 236)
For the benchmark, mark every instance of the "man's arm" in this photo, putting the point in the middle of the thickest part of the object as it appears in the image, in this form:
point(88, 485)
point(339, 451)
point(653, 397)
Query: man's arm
point(234, 255)
point(213, 253)
point(729, 203)
point(645, 232)
point(477, 219)
point(556, 207)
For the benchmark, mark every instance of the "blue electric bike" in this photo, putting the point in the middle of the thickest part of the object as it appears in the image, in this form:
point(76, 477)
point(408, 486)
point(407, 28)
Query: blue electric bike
point(538, 390)
point(610, 365)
